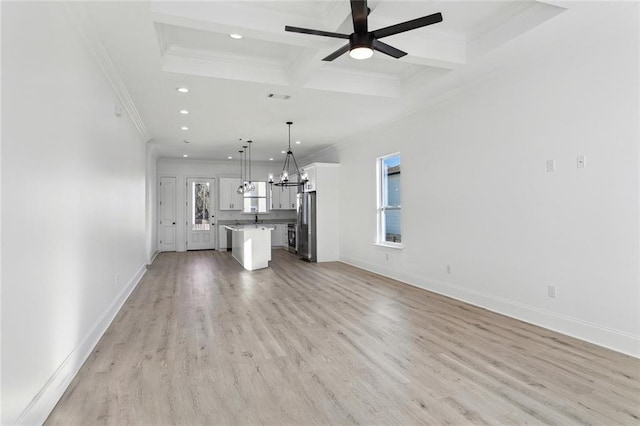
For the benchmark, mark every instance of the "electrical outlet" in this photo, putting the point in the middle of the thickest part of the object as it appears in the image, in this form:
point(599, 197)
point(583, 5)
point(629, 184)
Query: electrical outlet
point(551, 166)
point(551, 291)
point(448, 269)
point(386, 256)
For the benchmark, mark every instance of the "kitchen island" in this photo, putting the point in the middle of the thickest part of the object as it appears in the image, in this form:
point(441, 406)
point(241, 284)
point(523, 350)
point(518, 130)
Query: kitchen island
point(251, 245)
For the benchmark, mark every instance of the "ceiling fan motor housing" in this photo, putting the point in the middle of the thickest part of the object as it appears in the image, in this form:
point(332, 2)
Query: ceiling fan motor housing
point(361, 40)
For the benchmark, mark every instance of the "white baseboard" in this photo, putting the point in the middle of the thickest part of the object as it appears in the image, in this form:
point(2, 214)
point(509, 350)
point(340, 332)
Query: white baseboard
point(46, 399)
point(153, 257)
point(609, 338)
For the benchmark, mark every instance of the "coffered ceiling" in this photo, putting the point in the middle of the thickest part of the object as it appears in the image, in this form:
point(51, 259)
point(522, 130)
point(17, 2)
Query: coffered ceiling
point(248, 88)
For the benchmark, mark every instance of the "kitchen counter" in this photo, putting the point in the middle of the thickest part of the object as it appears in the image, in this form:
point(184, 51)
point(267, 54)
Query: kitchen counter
point(251, 245)
point(249, 226)
point(261, 222)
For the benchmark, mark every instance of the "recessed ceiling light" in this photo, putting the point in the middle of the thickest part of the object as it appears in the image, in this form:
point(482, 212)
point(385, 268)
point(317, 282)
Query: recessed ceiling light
point(235, 36)
point(184, 111)
point(298, 142)
point(185, 155)
point(283, 152)
point(184, 128)
point(278, 96)
point(270, 159)
point(182, 90)
point(230, 158)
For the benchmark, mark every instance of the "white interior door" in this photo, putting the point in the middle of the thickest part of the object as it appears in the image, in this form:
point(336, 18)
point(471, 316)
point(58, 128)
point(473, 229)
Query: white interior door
point(167, 210)
point(200, 214)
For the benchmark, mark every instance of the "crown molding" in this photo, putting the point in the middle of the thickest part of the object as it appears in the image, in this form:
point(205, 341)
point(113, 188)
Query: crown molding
point(86, 30)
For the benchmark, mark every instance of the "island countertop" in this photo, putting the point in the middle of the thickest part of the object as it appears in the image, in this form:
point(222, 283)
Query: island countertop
point(251, 226)
point(278, 221)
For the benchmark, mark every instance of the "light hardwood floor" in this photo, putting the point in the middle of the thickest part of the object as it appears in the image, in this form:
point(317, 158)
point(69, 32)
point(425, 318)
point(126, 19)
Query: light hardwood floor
point(202, 341)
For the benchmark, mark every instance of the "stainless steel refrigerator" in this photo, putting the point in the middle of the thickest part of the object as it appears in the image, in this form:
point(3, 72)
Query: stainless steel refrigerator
point(307, 226)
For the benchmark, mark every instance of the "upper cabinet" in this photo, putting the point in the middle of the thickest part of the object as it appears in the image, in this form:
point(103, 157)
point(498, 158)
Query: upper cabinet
point(283, 197)
point(311, 171)
point(229, 197)
point(292, 201)
point(277, 195)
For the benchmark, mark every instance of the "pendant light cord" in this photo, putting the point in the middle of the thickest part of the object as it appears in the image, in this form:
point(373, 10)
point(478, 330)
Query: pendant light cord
point(250, 142)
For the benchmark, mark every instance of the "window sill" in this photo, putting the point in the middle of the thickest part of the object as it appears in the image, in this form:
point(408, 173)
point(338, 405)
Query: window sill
point(390, 245)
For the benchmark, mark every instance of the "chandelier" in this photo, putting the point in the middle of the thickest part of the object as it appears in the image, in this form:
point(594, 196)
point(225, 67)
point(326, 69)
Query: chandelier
point(288, 170)
point(246, 185)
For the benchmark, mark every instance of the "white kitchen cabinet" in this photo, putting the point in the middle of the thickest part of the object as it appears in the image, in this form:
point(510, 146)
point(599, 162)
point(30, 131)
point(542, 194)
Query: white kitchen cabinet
point(279, 197)
point(229, 197)
point(291, 198)
point(280, 235)
point(222, 237)
point(285, 235)
point(283, 197)
point(324, 179)
point(276, 235)
point(293, 195)
point(311, 171)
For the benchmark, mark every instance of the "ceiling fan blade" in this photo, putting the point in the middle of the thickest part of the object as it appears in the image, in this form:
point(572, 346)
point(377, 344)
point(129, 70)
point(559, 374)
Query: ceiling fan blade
point(359, 12)
point(344, 49)
point(389, 50)
point(315, 32)
point(408, 25)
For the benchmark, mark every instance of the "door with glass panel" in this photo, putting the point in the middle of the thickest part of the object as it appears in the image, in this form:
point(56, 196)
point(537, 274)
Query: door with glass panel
point(200, 214)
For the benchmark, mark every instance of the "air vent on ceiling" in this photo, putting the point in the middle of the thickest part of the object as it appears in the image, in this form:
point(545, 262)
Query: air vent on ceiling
point(276, 96)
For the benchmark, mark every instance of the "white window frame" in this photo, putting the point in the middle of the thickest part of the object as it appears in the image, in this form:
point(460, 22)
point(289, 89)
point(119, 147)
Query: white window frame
point(249, 195)
point(381, 207)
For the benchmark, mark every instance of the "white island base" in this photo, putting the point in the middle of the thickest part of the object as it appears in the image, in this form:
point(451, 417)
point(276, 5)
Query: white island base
point(251, 245)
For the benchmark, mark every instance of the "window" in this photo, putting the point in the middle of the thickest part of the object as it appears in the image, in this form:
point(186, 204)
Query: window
point(256, 200)
point(389, 201)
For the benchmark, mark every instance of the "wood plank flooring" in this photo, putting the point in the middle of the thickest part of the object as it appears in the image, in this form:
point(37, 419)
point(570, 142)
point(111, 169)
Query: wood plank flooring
point(202, 341)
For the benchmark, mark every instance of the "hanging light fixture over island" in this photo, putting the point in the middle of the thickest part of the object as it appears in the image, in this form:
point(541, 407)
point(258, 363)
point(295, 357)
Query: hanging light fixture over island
point(289, 168)
point(246, 184)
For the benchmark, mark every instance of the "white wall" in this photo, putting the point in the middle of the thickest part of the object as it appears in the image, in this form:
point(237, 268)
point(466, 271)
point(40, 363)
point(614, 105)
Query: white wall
point(151, 202)
point(181, 169)
point(477, 197)
point(73, 197)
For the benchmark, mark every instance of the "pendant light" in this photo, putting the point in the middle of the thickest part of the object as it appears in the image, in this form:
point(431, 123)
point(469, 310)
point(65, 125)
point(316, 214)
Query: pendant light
point(287, 169)
point(241, 187)
point(250, 186)
point(246, 184)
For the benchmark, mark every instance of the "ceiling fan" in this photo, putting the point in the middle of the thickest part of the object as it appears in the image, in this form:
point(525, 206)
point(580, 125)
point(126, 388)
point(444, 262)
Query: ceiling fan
point(363, 42)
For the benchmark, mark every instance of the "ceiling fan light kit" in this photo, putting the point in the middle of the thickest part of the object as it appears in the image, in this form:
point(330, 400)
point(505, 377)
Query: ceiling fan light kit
point(361, 46)
point(363, 42)
point(361, 53)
